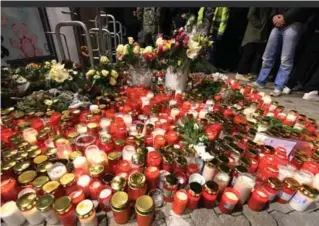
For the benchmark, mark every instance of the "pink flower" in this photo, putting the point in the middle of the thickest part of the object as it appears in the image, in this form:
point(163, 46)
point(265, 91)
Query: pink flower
point(177, 44)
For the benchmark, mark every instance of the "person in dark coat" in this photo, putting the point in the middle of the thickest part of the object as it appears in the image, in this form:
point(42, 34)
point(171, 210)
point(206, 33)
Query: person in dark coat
point(254, 42)
point(283, 39)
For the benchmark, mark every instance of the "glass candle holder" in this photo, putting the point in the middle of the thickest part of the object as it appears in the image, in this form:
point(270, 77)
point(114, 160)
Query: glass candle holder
point(77, 196)
point(105, 198)
point(11, 215)
point(170, 187)
point(152, 175)
point(26, 204)
point(159, 141)
point(180, 202)
point(30, 135)
point(210, 193)
point(258, 199)
point(154, 159)
point(244, 185)
point(120, 207)
point(83, 141)
point(272, 186)
point(194, 194)
point(9, 189)
point(229, 200)
point(157, 196)
point(289, 188)
point(128, 152)
point(304, 197)
point(65, 211)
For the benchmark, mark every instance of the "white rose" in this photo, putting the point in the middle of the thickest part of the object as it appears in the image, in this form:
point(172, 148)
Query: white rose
point(159, 41)
point(21, 80)
point(105, 73)
point(96, 77)
point(148, 49)
point(104, 60)
point(90, 72)
point(114, 74)
point(193, 49)
point(58, 73)
point(120, 49)
point(136, 49)
point(130, 40)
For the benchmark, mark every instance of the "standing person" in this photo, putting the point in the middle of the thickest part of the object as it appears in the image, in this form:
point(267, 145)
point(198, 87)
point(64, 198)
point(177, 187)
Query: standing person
point(149, 17)
point(215, 20)
point(312, 87)
point(254, 42)
point(283, 39)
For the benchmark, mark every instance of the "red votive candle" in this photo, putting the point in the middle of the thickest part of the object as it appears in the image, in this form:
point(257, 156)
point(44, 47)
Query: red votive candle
point(311, 166)
point(123, 166)
point(77, 196)
point(258, 199)
point(210, 194)
point(167, 164)
point(152, 175)
point(170, 187)
point(180, 202)
point(105, 198)
point(229, 200)
point(159, 141)
point(171, 137)
point(194, 194)
point(192, 168)
point(272, 187)
point(289, 188)
point(9, 189)
point(154, 159)
point(94, 189)
point(136, 186)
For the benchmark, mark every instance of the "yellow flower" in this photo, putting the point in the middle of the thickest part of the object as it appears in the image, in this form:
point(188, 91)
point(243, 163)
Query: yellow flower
point(179, 62)
point(48, 102)
point(159, 41)
point(90, 73)
point(21, 80)
point(105, 73)
point(114, 74)
point(120, 49)
point(193, 49)
point(130, 40)
point(58, 73)
point(104, 60)
point(148, 49)
point(97, 73)
point(112, 81)
point(136, 49)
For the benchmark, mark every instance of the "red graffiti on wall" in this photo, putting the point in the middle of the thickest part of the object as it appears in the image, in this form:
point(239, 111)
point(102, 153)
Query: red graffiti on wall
point(26, 43)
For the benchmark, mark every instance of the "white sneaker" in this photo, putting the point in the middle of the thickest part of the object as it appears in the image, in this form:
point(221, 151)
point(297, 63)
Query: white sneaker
point(286, 90)
point(241, 77)
point(313, 95)
point(275, 93)
point(256, 85)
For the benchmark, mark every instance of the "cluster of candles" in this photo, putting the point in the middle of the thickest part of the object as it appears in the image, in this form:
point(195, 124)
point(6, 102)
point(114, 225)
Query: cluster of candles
point(124, 154)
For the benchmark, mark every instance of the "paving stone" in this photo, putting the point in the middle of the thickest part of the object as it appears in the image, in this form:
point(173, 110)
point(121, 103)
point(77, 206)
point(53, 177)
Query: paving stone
point(300, 218)
point(203, 217)
point(236, 212)
point(283, 208)
point(313, 207)
point(262, 218)
point(233, 220)
point(278, 216)
point(131, 222)
point(160, 222)
point(174, 220)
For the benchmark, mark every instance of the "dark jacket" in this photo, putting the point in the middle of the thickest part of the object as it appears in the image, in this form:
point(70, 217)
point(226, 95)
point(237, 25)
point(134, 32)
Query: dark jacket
point(258, 26)
point(292, 15)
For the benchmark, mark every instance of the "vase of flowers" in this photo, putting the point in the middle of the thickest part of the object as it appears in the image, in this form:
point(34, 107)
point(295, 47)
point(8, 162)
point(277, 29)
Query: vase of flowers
point(176, 80)
point(139, 61)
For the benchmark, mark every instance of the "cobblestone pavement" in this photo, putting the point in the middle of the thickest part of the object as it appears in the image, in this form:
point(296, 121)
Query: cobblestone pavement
point(275, 214)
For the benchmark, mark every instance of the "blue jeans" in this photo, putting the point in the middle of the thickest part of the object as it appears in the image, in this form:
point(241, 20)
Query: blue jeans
point(282, 40)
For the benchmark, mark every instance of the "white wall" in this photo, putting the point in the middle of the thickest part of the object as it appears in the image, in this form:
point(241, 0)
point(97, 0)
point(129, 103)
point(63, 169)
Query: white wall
point(55, 16)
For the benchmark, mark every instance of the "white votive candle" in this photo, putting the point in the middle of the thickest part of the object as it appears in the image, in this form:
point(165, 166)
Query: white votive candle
point(127, 120)
point(81, 128)
point(244, 185)
point(284, 172)
point(83, 182)
point(105, 123)
point(30, 135)
point(81, 162)
point(11, 215)
point(128, 152)
point(56, 171)
point(174, 112)
point(304, 177)
point(202, 113)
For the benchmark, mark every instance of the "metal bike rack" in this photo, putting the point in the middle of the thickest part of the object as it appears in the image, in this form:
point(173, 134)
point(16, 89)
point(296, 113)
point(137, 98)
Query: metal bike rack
point(65, 41)
point(87, 36)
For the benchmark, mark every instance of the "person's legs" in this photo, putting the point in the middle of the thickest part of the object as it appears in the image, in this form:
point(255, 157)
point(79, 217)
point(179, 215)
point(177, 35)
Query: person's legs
point(259, 49)
point(246, 58)
point(290, 35)
point(273, 46)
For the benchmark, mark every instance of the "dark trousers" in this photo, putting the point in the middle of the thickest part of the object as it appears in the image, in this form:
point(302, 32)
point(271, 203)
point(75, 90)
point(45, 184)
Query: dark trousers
point(251, 58)
point(313, 83)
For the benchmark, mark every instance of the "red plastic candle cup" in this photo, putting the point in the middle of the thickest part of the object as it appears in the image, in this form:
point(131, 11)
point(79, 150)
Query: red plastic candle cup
point(9, 189)
point(123, 166)
point(167, 164)
point(229, 200)
point(94, 189)
point(258, 199)
point(191, 169)
point(136, 186)
point(182, 179)
point(105, 198)
point(171, 137)
point(77, 196)
point(148, 139)
point(210, 194)
point(170, 187)
point(154, 159)
point(180, 202)
point(311, 166)
point(113, 158)
point(272, 187)
point(152, 175)
point(289, 188)
point(65, 215)
point(194, 194)
point(159, 141)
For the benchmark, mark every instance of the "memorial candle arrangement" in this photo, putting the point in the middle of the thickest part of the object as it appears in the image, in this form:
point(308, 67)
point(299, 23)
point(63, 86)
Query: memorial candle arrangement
point(151, 149)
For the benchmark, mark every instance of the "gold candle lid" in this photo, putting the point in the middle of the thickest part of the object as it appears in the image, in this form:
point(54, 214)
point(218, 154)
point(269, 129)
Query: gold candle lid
point(26, 201)
point(114, 156)
point(45, 202)
point(144, 204)
point(211, 187)
point(32, 148)
point(96, 171)
point(274, 183)
point(21, 166)
point(119, 200)
point(85, 209)
point(6, 155)
point(138, 158)
point(26, 177)
point(67, 179)
point(136, 180)
point(42, 168)
point(92, 125)
point(291, 183)
point(309, 191)
point(51, 152)
point(74, 155)
point(118, 183)
point(35, 153)
point(7, 166)
point(42, 135)
point(22, 146)
point(21, 156)
point(40, 159)
point(223, 168)
point(62, 205)
point(51, 187)
point(40, 181)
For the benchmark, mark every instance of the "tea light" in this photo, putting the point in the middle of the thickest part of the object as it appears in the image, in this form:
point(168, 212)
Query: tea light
point(11, 215)
point(105, 123)
point(174, 112)
point(128, 120)
point(81, 162)
point(30, 135)
point(244, 185)
point(81, 128)
point(84, 182)
point(128, 152)
point(56, 171)
point(229, 200)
